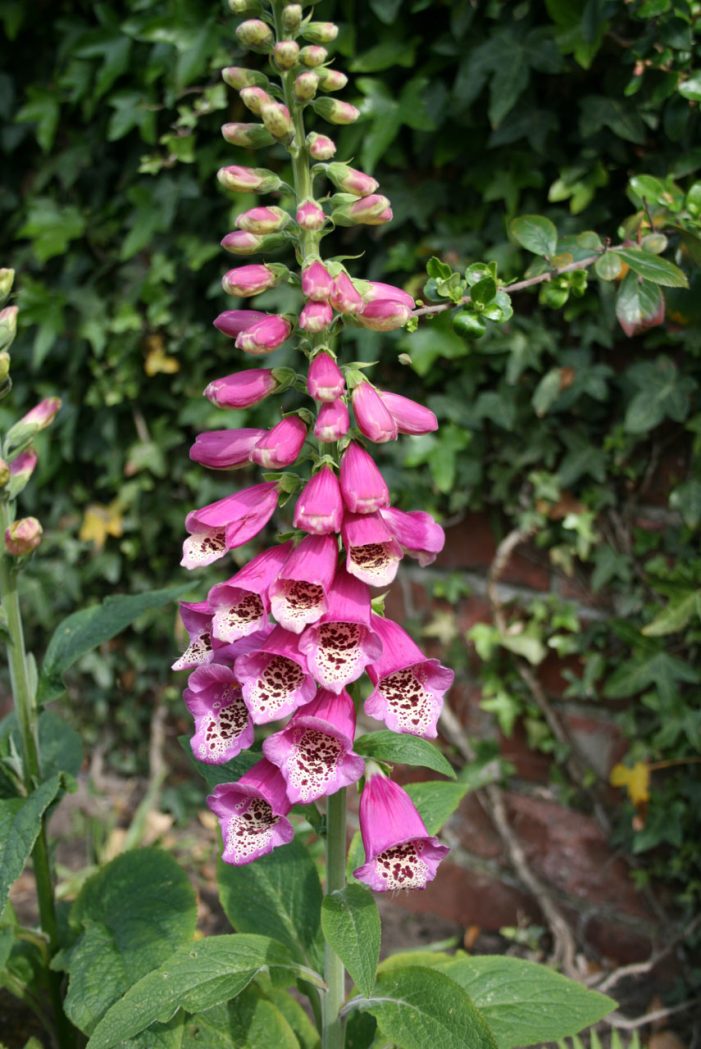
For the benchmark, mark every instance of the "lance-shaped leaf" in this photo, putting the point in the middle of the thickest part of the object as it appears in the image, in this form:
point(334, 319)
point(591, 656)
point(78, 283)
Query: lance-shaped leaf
point(350, 922)
point(404, 750)
point(20, 823)
point(653, 268)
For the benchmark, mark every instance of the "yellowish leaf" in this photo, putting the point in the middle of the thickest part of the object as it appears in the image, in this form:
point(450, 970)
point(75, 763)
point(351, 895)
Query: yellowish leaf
point(157, 360)
point(100, 521)
point(636, 781)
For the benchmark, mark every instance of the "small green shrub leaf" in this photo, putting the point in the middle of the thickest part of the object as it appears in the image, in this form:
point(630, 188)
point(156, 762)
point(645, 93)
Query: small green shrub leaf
point(653, 268)
point(535, 233)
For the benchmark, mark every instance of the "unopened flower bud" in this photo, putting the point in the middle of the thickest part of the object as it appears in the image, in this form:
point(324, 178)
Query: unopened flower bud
point(350, 180)
point(345, 297)
point(362, 212)
point(238, 77)
point(254, 98)
point(23, 536)
point(332, 422)
point(276, 118)
point(8, 326)
point(21, 469)
point(291, 17)
point(332, 79)
point(315, 317)
point(320, 147)
point(280, 447)
point(317, 282)
point(252, 280)
point(384, 315)
point(286, 54)
point(248, 180)
point(320, 32)
point(7, 278)
point(242, 389)
point(242, 7)
point(4, 366)
point(263, 220)
point(325, 380)
point(251, 136)
point(372, 415)
point(313, 56)
point(255, 34)
point(336, 112)
point(4, 473)
point(310, 215)
point(306, 85)
point(42, 414)
point(242, 243)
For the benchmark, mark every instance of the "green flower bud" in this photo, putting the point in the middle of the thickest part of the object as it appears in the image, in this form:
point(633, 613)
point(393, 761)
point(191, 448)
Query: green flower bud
point(7, 278)
point(244, 7)
point(4, 366)
point(23, 536)
point(313, 56)
point(8, 326)
point(306, 85)
point(336, 112)
point(286, 54)
point(238, 77)
point(332, 79)
point(4, 473)
point(255, 34)
point(251, 136)
point(277, 120)
point(291, 17)
point(320, 32)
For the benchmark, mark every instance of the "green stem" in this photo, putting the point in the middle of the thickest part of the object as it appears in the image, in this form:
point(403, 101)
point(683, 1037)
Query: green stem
point(334, 972)
point(27, 719)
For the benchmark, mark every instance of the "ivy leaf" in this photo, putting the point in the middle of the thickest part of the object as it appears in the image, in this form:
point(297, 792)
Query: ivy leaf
point(686, 498)
point(653, 268)
point(350, 922)
point(636, 781)
point(675, 616)
point(663, 393)
point(639, 305)
point(660, 671)
point(51, 228)
point(403, 750)
point(535, 233)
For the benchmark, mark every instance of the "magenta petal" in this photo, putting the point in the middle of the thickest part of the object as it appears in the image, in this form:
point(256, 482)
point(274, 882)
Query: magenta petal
point(274, 680)
point(223, 727)
point(362, 485)
point(410, 865)
point(341, 645)
point(372, 553)
point(233, 322)
point(398, 649)
point(388, 816)
point(241, 604)
point(252, 814)
point(417, 532)
point(280, 447)
point(319, 508)
point(409, 416)
point(197, 620)
point(372, 415)
point(224, 449)
point(298, 596)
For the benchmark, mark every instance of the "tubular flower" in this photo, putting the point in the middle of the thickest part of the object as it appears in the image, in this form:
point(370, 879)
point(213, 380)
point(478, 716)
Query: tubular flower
point(197, 620)
point(409, 416)
point(317, 282)
point(252, 814)
point(409, 688)
point(314, 751)
point(223, 727)
point(343, 642)
point(416, 532)
point(298, 596)
point(240, 606)
point(225, 449)
point(274, 680)
point(228, 523)
point(332, 422)
point(281, 446)
point(372, 415)
point(345, 297)
point(325, 380)
point(242, 389)
point(319, 509)
point(399, 851)
point(372, 552)
point(249, 280)
point(362, 485)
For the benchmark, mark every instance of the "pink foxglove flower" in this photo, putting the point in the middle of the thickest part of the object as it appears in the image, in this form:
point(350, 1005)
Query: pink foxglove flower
point(376, 289)
point(372, 415)
point(254, 98)
point(409, 688)
point(384, 315)
point(233, 322)
point(417, 533)
point(320, 147)
point(241, 243)
point(223, 727)
point(225, 449)
point(310, 216)
point(248, 180)
point(227, 523)
point(372, 552)
point(345, 297)
point(399, 851)
point(197, 620)
point(23, 466)
point(314, 751)
point(42, 414)
point(262, 220)
point(241, 605)
point(325, 380)
point(350, 180)
point(275, 680)
point(249, 280)
point(23, 536)
point(332, 422)
point(298, 596)
point(319, 508)
point(342, 643)
point(368, 208)
point(280, 446)
point(255, 332)
point(315, 317)
point(252, 814)
point(317, 282)
point(242, 389)
point(410, 417)
point(362, 485)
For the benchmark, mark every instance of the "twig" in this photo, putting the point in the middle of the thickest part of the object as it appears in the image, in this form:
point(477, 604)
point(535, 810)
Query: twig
point(624, 1024)
point(640, 968)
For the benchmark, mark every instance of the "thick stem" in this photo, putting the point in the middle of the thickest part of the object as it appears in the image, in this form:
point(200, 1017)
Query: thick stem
point(334, 972)
point(27, 719)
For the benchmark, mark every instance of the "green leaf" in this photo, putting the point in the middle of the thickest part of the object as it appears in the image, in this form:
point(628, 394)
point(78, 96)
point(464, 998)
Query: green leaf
point(287, 893)
point(691, 88)
point(686, 498)
point(251, 1020)
point(82, 631)
point(296, 1016)
point(639, 305)
point(419, 1008)
point(197, 977)
point(132, 915)
point(608, 266)
point(547, 391)
point(437, 801)
point(61, 747)
point(653, 268)
point(525, 1003)
point(403, 750)
point(535, 233)
point(659, 671)
point(664, 393)
point(20, 823)
point(51, 228)
point(675, 616)
point(350, 922)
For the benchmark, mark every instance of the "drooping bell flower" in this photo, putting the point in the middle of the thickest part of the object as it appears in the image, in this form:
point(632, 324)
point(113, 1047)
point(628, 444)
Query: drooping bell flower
point(372, 552)
point(343, 642)
point(377, 289)
point(319, 508)
point(241, 243)
point(310, 216)
point(225, 449)
point(362, 485)
point(262, 220)
point(223, 727)
point(274, 680)
point(399, 851)
point(372, 415)
point(420, 536)
point(280, 446)
point(255, 332)
point(240, 606)
point(246, 281)
point(314, 751)
point(325, 380)
point(252, 814)
point(409, 688)
point(233, 322)
point(242, 389)
point(345, 298)
point(197, 620)
point(317, 282)
point(409, 416)
point(384, 315)
point(315, 317)
point(320, 147)
point(332, 422)
point(227, 523)
point(298, 596)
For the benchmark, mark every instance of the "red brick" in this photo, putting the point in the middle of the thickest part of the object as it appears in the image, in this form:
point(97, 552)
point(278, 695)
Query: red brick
point(598, 740)
point(530, 764)
point(473, 543)
point(551, 673)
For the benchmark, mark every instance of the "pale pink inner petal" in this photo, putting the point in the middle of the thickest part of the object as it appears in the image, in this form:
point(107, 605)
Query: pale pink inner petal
point(338, 657)
point(411, 703)
point(230, 622)
point(221, 727)
point(203, 548)
point(298, 602)
point(277, 683)
point(313, 762)
point(402, 867)
point(249, 829)
point(375, 562)
point(199, 651)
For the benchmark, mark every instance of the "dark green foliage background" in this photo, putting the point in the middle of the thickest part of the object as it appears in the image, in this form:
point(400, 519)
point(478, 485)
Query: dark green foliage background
point(472, 114)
